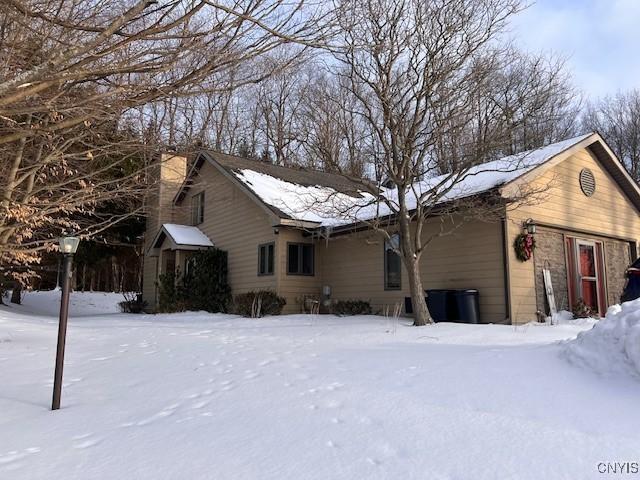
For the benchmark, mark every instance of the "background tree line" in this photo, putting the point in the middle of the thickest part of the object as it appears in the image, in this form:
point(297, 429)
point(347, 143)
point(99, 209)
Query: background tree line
point(304, 115)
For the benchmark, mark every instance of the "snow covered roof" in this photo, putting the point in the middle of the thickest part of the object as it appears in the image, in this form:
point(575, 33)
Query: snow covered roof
point(314, 200)
point(292, 178)
point(182, 236)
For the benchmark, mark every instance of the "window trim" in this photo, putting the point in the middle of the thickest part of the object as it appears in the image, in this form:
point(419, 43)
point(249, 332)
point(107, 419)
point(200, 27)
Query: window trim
point(384, 271)
point(189, 264)
point(273, 266)
point(574, 284)
point(300, 246)
point(200, 218)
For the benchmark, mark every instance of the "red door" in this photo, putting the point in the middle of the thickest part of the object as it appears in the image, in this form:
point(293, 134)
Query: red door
point(588, 276)
point(586, 273)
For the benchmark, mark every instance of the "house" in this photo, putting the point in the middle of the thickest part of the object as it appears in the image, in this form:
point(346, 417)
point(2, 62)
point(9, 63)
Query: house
point(587, 225)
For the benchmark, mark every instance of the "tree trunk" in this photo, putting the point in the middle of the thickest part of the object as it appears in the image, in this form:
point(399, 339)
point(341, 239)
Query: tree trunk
point(123, 274)
point(411, 261)
point(84, 277)
point(139, 270)
point(16, 294)
point(114, 274)
point(420, 310)
point(74, 279)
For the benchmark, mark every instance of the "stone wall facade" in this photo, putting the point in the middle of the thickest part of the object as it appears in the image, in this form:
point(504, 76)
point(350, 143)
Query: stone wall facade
point(617, 257)
point(550, 253)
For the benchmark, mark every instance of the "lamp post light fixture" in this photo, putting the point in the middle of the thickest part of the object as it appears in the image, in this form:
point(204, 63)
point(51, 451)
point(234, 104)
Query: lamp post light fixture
point(68, 246)
point(530, 226)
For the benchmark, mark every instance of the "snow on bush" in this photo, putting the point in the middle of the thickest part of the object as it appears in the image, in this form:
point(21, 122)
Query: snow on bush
point(562, 317)
point(612, 346)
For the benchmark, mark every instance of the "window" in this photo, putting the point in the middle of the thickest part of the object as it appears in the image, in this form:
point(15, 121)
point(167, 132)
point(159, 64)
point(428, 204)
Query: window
point(300, 259)
point(265, 259)
point(197, 209)
point(392, 264)
point(189, 265)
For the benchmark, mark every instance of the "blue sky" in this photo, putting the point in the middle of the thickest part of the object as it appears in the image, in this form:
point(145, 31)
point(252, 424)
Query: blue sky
point(599, 38)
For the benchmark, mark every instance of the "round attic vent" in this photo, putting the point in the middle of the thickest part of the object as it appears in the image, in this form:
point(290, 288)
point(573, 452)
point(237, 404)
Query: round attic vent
point(587, 182)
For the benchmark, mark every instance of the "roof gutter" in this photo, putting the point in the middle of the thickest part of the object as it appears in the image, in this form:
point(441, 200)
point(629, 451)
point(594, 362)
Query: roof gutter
point(392, 219)
point(287, 222)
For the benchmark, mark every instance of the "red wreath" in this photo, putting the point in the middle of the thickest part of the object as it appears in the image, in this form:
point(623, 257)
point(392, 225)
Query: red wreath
point(524, 246)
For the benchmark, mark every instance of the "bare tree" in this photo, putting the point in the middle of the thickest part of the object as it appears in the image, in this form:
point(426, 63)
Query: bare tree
point(524, 101)
point(332, 136)
point(73, 74)
point(279, 105)
point(420, 70)
point(617, 118)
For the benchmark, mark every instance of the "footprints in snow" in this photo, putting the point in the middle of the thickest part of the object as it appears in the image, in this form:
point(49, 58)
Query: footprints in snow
point(166, 412)
point(86, 440)
point(13, 456)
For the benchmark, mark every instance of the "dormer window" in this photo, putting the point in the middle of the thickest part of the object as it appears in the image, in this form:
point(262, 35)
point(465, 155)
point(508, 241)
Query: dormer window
point(197, 209)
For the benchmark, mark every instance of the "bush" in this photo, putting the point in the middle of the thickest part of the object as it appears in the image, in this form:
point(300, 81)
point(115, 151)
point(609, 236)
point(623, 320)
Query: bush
point(203, 287)
point(582, 310)
point(132, 303)
point(170, 297)
point(352, 307)
point(256, 304)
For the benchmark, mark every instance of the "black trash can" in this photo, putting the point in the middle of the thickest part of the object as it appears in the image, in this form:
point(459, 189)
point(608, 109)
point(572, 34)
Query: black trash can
point(467, 306)
point(441, 304)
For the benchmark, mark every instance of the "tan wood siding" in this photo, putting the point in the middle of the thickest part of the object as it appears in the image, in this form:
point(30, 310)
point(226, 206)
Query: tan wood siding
point(293, 287)
point(234, 223)
point(353, 266)
point(607, 213)
point(149, 275)
point(472, 257)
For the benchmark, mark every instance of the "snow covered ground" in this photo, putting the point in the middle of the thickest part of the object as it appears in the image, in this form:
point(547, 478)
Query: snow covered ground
point(200, 396)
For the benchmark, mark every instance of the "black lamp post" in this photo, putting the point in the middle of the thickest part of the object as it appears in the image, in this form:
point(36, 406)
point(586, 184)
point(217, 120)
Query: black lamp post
point(68, 246)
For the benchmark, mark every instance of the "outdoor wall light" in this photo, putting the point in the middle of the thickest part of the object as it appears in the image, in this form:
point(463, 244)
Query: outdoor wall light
point(530, 226)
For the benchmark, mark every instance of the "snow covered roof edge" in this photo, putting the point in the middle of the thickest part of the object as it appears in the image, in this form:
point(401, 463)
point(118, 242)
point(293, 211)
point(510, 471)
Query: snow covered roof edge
point(281, 194)
point(182, 235)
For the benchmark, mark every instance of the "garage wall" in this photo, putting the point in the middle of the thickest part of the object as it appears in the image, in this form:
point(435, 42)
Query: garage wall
point(472, 257)
point(608, 213)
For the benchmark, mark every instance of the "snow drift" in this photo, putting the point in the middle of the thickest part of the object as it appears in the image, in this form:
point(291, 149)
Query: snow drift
point(612, 346)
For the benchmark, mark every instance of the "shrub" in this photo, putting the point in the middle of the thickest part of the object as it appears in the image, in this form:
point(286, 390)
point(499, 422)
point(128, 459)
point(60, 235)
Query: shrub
point(170, 295)
point(256, 304)
point(132, 303)
point(203, 287)
point(352, 307)
point(582, 310)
